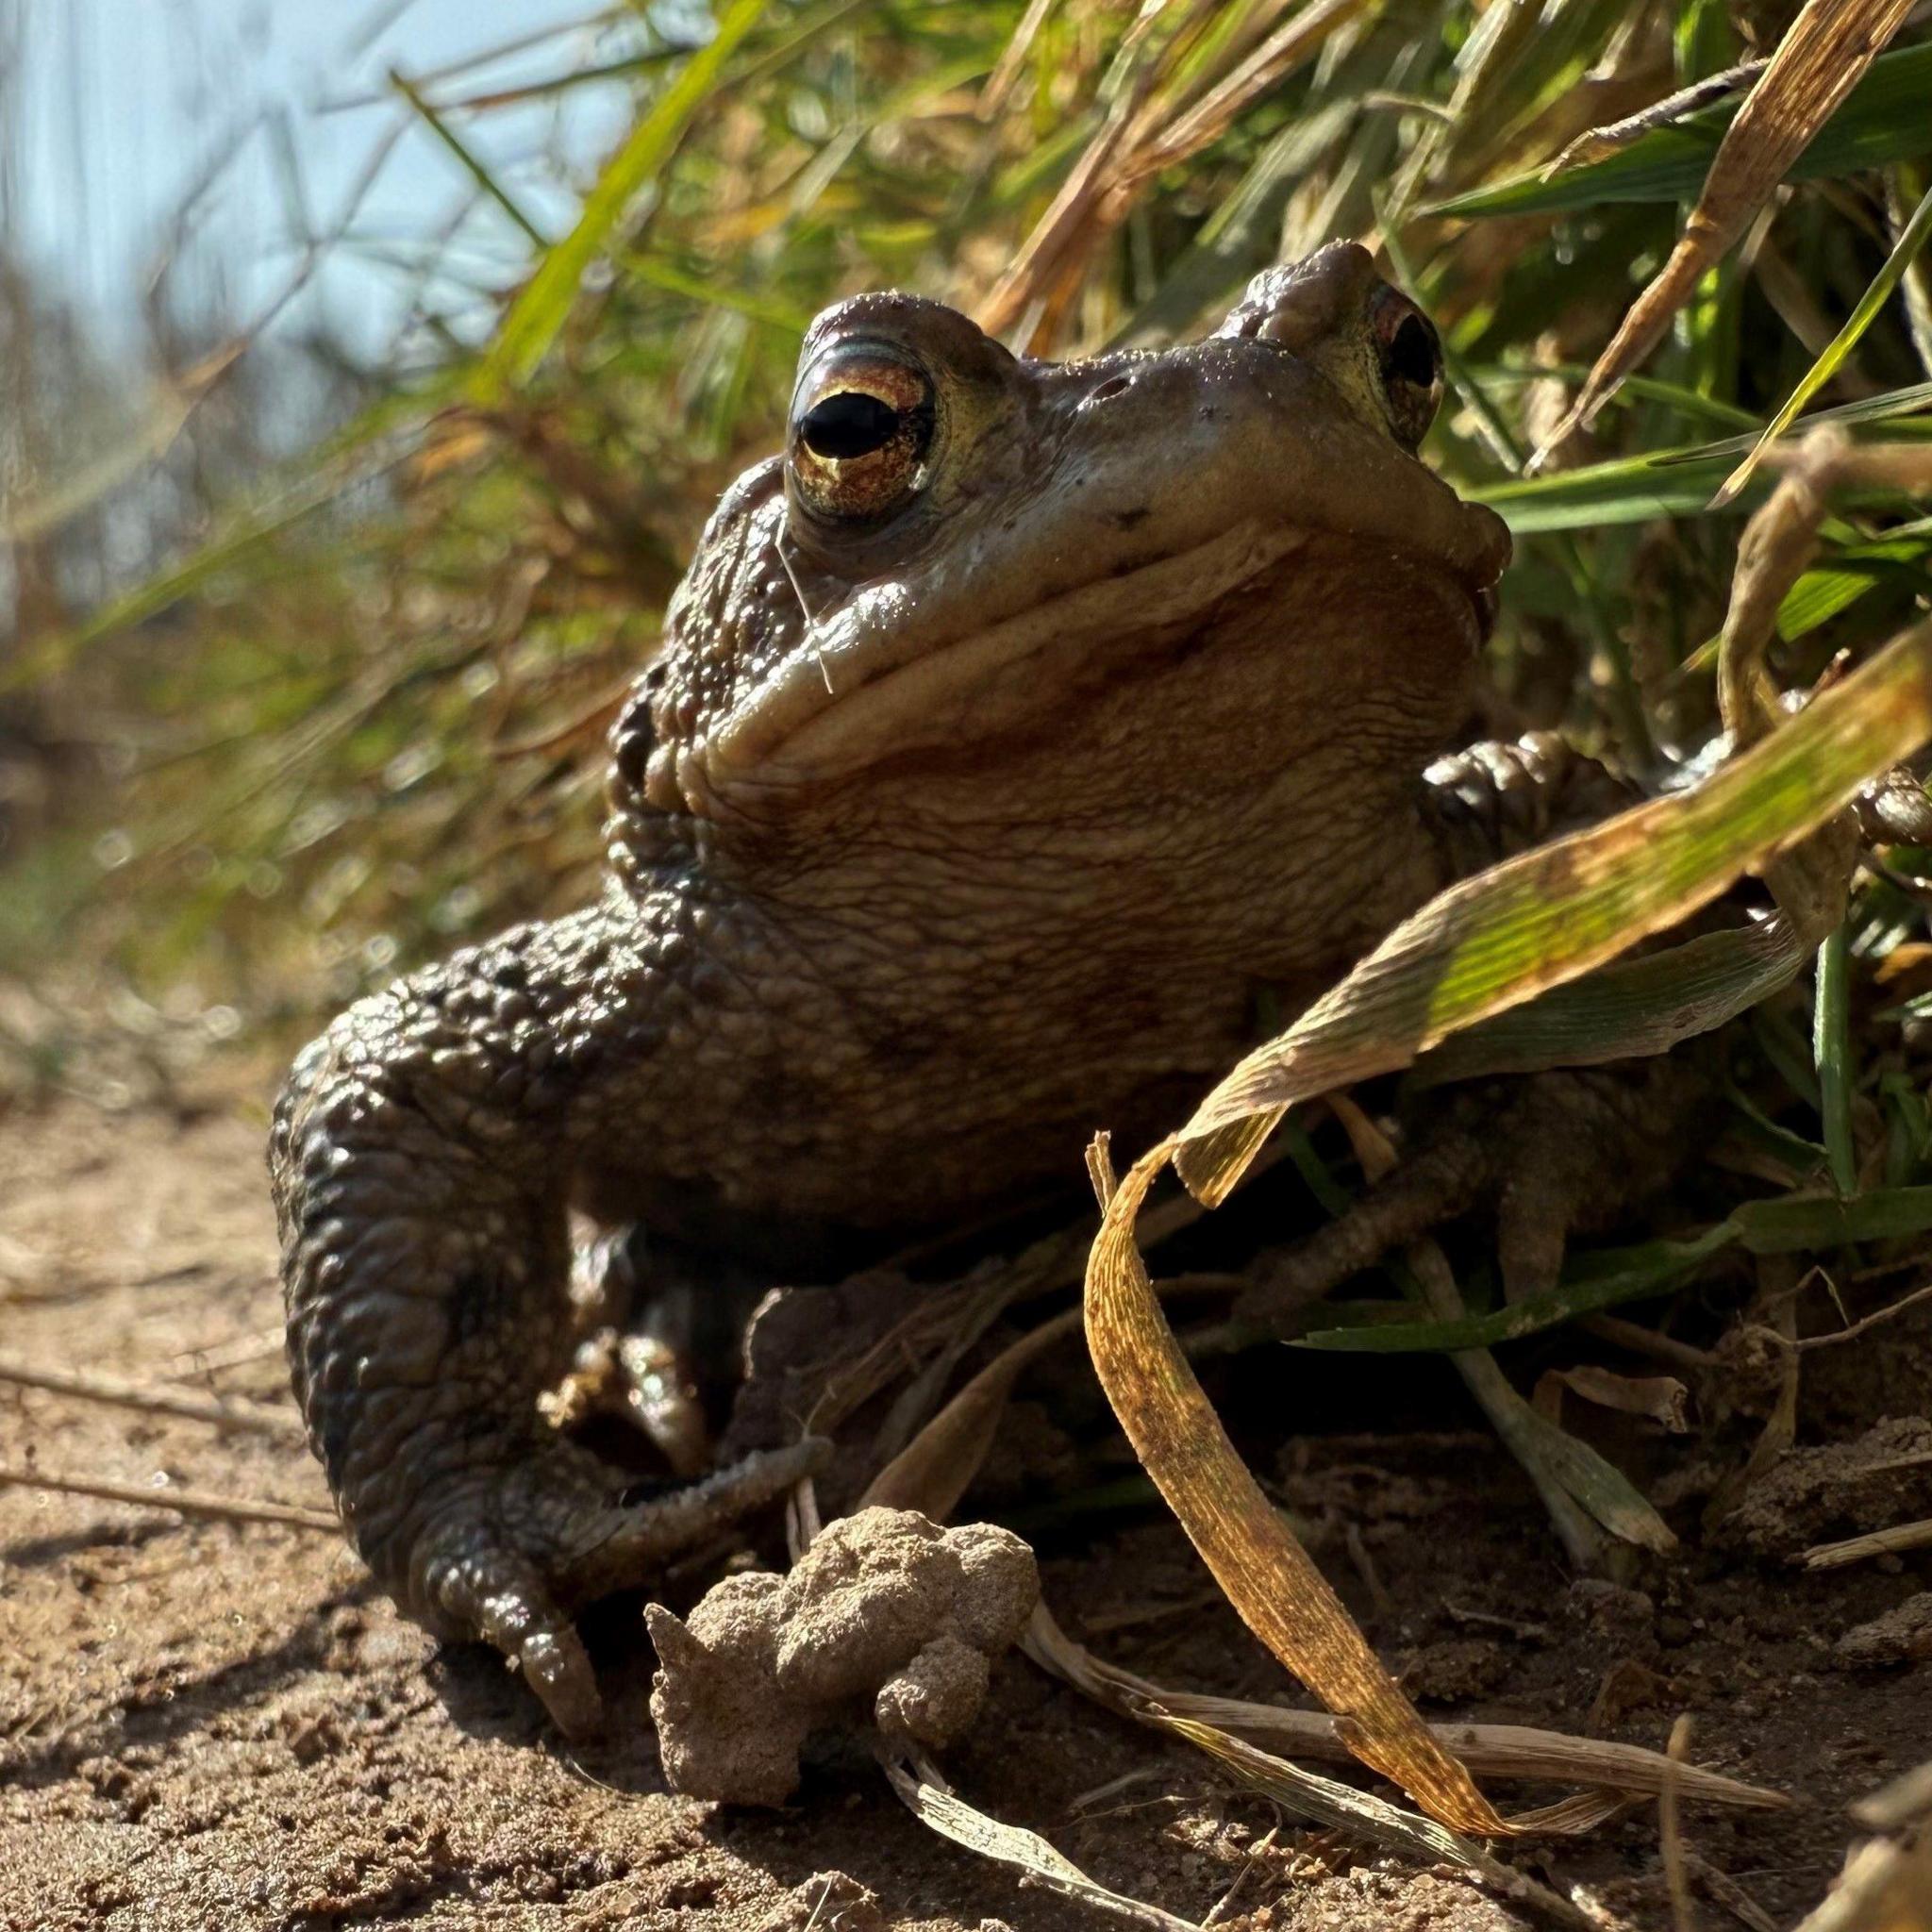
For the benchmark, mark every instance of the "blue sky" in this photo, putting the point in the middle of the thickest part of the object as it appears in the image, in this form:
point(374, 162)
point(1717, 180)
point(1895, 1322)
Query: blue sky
point(114, 110)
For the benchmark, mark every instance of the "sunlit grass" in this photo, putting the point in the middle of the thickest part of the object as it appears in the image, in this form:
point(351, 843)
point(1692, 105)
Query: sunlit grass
point(360, 714)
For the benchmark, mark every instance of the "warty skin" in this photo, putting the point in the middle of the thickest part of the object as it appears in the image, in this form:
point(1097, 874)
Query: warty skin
point(991, 764)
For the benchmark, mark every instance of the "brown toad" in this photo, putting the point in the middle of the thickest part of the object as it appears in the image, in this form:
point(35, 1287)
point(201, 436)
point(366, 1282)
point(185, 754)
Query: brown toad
point(1010, 731)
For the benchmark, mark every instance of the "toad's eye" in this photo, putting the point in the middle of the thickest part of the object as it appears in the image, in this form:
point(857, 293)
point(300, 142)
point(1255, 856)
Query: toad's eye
point(1410, 356)
point(847, 423)
point(861, 428)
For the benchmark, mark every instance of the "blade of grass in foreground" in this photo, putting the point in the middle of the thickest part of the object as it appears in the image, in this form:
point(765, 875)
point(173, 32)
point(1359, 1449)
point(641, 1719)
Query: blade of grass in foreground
point(1254, 1557)
point(1484, 946)
point(1558, 912)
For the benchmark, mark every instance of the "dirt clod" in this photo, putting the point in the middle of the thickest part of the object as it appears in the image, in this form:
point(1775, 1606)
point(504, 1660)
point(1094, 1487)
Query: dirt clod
point(1901, 1635)
point(884, 1607)
point(1884, 1475)
point(826, 1902)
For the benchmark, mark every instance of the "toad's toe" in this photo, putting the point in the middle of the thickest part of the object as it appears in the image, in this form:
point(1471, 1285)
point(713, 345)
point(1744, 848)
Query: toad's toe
point(510, 1561)
point(1550, 1155)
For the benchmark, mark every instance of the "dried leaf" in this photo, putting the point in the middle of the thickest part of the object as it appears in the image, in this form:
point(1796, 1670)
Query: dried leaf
point(927, 1797)
point(935, 1469)
point(1512, 1751)
point(1829, 46)
point(1661, 1398)
point(1243, 1538)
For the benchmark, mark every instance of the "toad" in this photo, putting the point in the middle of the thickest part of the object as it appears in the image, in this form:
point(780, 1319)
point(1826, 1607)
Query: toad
point(1011, 731)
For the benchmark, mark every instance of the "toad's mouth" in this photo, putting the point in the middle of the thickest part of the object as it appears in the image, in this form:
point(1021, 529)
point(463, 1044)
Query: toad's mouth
point(875, 685)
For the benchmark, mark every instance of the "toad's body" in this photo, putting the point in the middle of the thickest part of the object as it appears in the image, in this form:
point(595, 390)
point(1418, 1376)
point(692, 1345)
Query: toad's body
point(1009, 733)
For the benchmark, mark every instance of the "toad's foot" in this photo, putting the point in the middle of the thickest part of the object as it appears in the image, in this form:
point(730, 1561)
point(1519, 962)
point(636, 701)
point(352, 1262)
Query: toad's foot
point(508, 1558)
point(1552, 1154)
point(422, 1158)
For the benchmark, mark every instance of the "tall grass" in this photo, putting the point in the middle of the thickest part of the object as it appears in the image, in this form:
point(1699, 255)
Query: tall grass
point(355, 712)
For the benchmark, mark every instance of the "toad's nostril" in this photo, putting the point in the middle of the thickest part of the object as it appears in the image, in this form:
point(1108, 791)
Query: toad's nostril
point(1113, 386)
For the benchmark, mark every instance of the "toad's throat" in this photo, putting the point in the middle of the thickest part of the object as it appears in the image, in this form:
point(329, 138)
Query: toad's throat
point(874, 686)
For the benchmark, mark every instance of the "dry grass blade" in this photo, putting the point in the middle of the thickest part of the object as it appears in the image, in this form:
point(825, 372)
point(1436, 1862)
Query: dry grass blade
point(992, 96)
point(177, 1502)
point(1662, 1399)
point(1506, 1751)
point(925, 1795)
point(235, 1413)
point(1671, 1833)
point(1319, 1799)
point(1302, 1792)
point(935, 1469)
point(1210, 117)
point(1729, 1893)
point(1262, 1772)
point(1818, 62)
point(1264, 1571)
point(1043, 262)
point(1874, 1543)
point(1148, 130)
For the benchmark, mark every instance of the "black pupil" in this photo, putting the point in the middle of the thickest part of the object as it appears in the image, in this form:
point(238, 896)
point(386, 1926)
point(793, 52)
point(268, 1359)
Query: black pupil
point(848, 423)
point(1411, 354)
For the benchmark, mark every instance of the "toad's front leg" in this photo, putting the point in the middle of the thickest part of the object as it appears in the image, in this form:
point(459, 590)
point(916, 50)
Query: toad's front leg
point(421, 1159)
point(1551, 1154)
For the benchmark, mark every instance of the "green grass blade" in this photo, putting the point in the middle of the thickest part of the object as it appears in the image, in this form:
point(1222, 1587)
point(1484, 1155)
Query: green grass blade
point(539, 311)
point(1846, 575)
point(1832, 358)
point(1883, 119)
point(1800, 1224)
point(1594, 1282)
point(468, 162)
point(712, 294)
point(1634, 1008)
point(1791, 1225)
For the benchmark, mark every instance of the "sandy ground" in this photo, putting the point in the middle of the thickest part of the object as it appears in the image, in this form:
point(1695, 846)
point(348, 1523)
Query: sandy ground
point(220, 1726)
